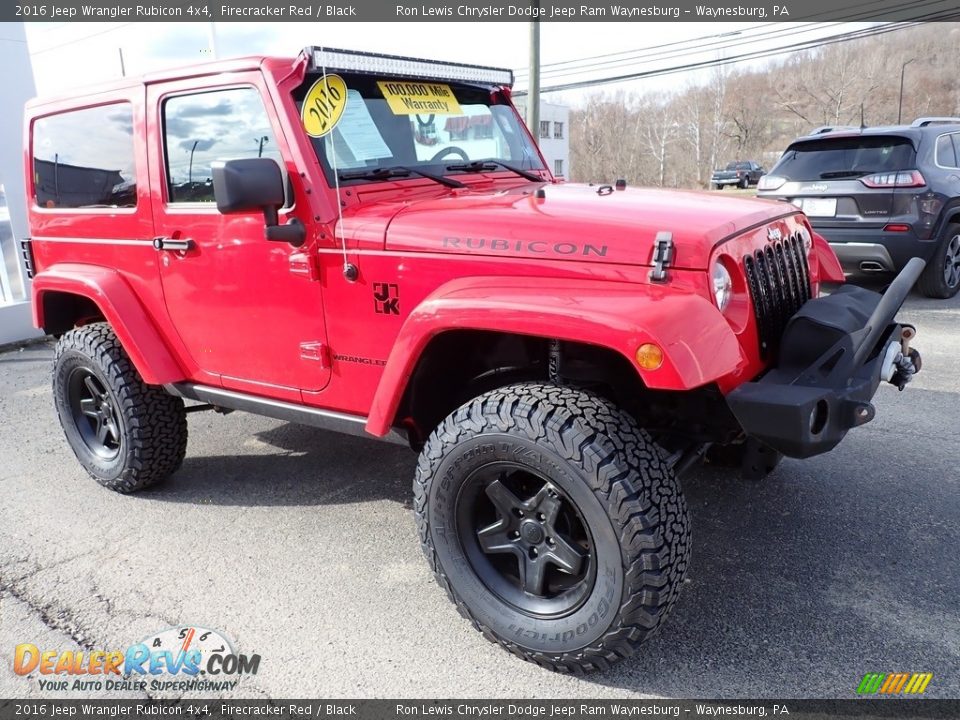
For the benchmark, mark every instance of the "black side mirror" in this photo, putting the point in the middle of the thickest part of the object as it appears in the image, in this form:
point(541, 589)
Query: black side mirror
point(255, 184)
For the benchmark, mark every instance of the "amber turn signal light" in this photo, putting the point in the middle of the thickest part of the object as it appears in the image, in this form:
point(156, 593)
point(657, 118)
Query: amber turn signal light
point(649, 356)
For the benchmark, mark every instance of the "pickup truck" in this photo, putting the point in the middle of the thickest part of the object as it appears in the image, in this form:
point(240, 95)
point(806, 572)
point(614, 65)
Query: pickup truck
point(375, 245)
point(740, 173)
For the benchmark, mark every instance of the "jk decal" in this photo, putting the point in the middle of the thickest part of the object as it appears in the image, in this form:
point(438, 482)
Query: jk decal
point(386, 298)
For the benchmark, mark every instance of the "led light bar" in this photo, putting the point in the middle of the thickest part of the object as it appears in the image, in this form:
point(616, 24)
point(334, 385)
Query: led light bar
point(395, 65)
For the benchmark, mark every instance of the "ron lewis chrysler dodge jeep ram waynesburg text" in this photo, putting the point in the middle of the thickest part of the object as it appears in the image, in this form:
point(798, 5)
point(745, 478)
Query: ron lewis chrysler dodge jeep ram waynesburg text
point(374, 245)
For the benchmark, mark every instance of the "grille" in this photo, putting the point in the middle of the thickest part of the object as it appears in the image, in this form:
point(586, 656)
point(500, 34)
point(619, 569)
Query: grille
point(779, 282)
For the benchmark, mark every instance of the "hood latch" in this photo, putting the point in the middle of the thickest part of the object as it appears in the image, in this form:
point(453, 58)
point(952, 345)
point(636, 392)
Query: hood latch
point(662, 256)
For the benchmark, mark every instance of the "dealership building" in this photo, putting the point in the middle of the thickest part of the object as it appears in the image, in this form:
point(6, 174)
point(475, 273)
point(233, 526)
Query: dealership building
point(15, 321)
point(553, 135)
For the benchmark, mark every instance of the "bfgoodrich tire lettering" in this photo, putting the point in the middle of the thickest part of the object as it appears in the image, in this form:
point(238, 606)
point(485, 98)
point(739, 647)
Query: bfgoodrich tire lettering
point(126, 434)
point(613, 477)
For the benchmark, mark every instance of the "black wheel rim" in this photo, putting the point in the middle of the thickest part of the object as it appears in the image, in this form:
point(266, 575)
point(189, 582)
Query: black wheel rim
point(95, 414)
point(526, 540)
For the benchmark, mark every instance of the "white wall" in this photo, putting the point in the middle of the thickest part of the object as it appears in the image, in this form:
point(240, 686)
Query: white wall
point(553, 148)
point(15, 89)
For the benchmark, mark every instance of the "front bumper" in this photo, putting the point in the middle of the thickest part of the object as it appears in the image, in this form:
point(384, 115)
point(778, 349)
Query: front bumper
point(833, 355)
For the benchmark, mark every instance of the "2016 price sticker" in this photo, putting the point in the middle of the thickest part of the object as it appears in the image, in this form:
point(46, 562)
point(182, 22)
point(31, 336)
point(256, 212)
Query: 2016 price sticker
point(323, 106)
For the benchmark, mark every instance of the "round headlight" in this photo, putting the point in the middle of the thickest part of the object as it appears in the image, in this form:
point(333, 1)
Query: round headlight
point(722, 286)
point(806, 238)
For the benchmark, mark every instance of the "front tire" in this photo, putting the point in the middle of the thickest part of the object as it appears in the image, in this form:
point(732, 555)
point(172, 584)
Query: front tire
point(554, 525)
point(941, 277)
point(126, 434)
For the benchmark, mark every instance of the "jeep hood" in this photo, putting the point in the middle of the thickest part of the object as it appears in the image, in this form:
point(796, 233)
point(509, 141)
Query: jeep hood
point(572, 222)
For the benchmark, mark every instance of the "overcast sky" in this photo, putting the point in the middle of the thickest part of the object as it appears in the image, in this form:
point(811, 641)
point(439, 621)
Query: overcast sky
point(67, 54)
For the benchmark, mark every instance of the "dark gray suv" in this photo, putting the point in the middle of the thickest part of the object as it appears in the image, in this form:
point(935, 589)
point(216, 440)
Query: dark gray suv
point(880, 196)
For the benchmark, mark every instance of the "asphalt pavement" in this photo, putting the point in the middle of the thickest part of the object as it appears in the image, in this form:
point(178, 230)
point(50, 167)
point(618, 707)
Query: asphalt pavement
point(300, 546)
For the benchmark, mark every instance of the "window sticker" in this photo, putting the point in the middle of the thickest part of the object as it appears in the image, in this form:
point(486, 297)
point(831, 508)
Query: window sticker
point(359, 132)
point(324, 105)
point(412, 98)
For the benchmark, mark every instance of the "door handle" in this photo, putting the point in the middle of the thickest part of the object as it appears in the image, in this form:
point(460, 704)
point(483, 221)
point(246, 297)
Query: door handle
point(165, 243)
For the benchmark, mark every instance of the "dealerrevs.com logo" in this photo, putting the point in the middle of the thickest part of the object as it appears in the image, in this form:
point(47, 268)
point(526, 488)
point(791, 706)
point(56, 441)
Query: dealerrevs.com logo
point(894, 683)
point(178, 659)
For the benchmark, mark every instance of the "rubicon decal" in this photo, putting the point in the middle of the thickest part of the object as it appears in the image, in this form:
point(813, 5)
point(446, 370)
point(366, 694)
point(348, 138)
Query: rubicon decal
point(523, 247)
point(894, 683)
point(186, 652)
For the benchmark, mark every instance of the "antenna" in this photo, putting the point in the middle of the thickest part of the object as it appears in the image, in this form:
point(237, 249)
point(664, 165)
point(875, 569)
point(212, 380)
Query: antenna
point(350, 271)
point(863, 125)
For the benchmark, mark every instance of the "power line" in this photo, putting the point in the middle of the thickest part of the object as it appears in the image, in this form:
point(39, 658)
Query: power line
point(723, 41)
point(871, 4)
point(719, 62)
point(678, 52)
point(81, 39)
point(642, 51)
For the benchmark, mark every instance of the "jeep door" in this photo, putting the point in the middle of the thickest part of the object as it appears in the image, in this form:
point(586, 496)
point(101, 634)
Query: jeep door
point(248, 310)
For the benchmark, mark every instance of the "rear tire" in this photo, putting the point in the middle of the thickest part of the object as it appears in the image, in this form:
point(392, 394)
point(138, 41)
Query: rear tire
point(126, 434)
point(553, 524)
point(941, 277)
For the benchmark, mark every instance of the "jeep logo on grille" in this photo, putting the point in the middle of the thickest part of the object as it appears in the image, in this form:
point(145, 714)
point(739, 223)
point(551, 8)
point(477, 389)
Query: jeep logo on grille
point(774, 234)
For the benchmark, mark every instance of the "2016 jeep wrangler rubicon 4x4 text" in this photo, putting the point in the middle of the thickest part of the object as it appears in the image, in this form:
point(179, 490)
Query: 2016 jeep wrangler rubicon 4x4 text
point(373, 244)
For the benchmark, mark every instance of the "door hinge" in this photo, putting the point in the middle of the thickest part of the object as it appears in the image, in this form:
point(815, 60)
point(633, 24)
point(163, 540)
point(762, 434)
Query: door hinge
point(305, 265)
point(317, 352)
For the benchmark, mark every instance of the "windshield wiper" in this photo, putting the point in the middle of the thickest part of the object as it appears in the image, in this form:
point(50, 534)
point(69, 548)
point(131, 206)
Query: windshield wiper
point(397, 171)
point(844, 174)
point(482, 165)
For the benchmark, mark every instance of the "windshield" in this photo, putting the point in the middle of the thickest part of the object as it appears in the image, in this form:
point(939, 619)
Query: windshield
point(386, 123)
point(846, 157)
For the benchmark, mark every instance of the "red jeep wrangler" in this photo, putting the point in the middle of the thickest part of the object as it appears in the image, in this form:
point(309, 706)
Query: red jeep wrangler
point(374, 245)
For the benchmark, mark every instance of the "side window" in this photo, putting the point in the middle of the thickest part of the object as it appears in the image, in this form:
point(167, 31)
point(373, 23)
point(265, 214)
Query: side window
point(955, 141)
point(84, 158)
point(946, 154)
point(201, 129)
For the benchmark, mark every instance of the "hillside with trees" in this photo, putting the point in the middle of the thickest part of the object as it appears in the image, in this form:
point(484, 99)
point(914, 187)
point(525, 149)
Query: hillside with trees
point(676, 139)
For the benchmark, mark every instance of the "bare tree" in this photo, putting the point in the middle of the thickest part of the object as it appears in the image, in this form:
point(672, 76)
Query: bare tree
point(678, 139)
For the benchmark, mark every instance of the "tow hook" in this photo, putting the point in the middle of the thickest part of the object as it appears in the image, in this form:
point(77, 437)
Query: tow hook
point(900, 361)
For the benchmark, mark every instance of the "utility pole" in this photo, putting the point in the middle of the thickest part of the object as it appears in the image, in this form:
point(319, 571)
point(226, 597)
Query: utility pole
point(212, 40)
point(533, 97)
point(903, 69)
point(190, 170)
